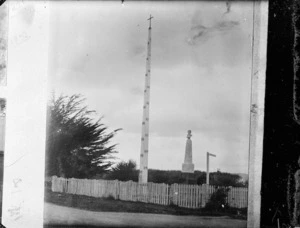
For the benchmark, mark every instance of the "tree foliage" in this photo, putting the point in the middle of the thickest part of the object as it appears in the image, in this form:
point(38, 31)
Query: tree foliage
point(215, 178)
point(226, 179)
point(77, 146)
point(165, 176)
point(124, 171)
point(127, 171)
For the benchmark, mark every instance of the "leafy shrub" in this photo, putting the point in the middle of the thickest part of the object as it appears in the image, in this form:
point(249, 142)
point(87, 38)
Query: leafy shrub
point(217, 201)
point(124, 171)
point(173, 205)
point(110, 197)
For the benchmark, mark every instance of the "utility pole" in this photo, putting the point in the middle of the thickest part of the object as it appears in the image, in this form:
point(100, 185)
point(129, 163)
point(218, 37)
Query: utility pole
point(143, 173)
point(207, 166)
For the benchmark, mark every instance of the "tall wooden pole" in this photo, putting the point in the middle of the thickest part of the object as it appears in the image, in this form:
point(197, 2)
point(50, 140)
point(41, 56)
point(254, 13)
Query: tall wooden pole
point(143, 174)
point(207, 166)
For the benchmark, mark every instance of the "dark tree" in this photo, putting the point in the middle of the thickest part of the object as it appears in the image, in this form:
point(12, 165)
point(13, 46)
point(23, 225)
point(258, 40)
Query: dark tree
point(175, 176)
point(77, 146)
point(225, 179)
point(124, 171)
point(162, 176)
point(201, 179)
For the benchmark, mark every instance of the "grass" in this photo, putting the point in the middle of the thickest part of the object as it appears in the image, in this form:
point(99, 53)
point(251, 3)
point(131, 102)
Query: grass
point(111, 205)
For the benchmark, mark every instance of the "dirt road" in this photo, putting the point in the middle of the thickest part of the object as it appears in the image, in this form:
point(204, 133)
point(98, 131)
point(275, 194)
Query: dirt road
point(55, 214)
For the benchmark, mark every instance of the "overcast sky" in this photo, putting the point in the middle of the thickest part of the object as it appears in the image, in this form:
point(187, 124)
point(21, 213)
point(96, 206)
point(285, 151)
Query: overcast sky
point(200, 75)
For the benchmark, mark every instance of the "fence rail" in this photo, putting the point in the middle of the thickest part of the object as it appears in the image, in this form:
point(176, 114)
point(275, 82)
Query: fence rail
point(189, 196)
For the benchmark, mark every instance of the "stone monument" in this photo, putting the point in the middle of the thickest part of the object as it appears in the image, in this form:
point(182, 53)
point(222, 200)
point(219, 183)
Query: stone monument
point(188, 166)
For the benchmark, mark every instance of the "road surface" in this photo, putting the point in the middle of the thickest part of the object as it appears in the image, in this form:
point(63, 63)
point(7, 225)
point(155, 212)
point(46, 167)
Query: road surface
point(55, 214)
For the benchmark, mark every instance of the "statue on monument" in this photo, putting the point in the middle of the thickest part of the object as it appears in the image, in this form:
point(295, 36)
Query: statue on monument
point(189, 135)
point(188, 166)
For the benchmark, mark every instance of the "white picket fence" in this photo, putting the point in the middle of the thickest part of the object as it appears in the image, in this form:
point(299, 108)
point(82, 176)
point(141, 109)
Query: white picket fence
point(189, 196)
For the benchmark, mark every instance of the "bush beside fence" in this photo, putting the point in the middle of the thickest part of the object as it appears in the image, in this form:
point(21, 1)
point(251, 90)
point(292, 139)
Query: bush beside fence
point(189, 196)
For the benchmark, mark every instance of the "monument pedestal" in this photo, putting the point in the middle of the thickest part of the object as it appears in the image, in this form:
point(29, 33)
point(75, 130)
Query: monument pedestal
point(188, 168)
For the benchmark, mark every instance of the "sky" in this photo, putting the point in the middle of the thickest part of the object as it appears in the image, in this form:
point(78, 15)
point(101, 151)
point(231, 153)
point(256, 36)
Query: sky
point(200, 75)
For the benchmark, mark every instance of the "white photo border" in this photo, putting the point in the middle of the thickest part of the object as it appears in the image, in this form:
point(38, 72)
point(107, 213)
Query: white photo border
point(25, 92)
